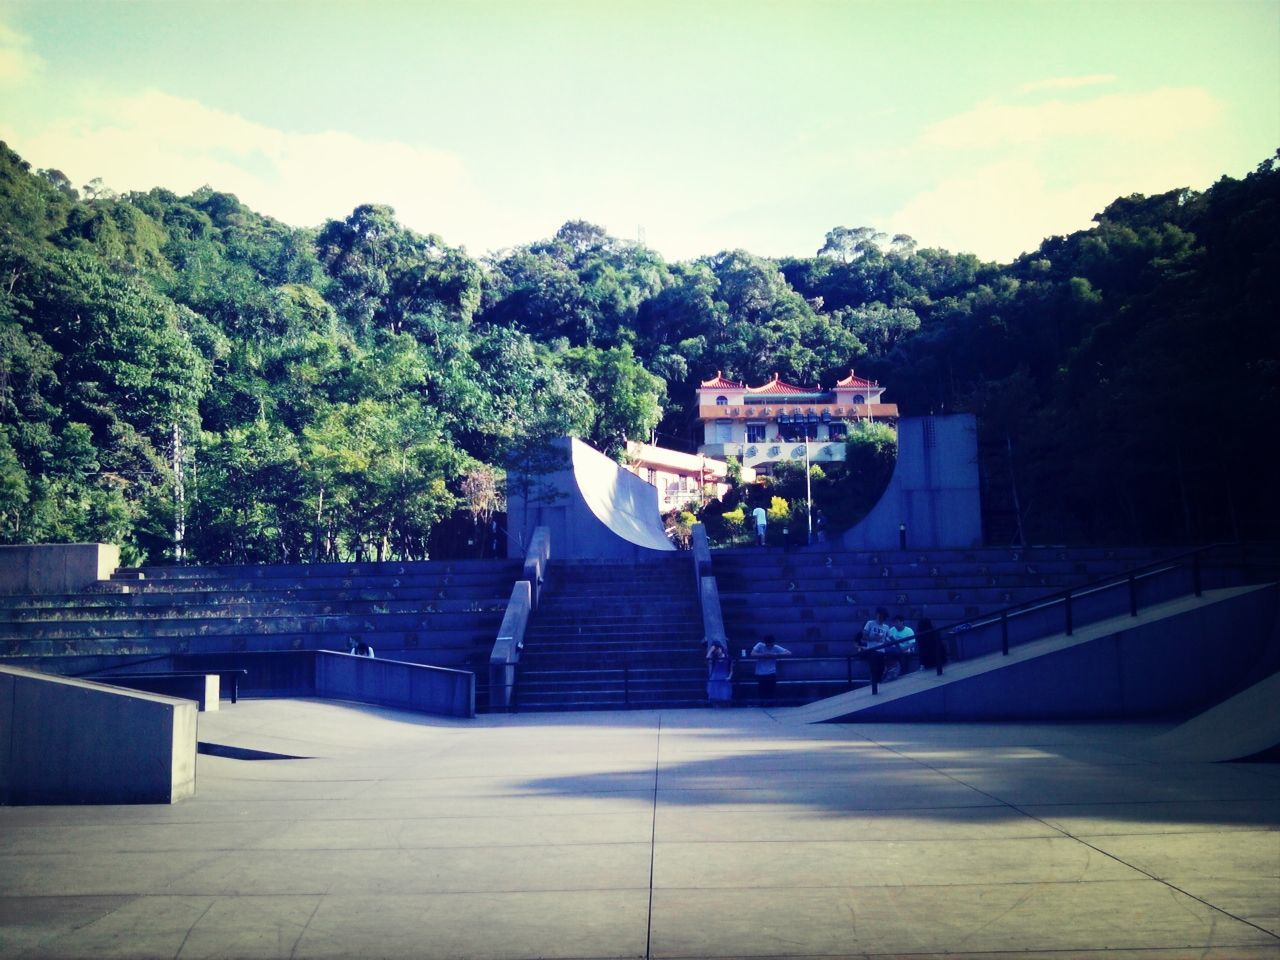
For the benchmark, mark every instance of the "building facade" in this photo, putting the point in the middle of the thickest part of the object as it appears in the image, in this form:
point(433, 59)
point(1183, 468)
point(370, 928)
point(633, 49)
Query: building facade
point(683, 479)
point(779, 421)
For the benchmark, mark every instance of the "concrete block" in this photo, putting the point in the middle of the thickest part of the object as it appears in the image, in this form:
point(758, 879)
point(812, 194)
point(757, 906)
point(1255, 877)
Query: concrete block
point(29, 569)
point(75, 741)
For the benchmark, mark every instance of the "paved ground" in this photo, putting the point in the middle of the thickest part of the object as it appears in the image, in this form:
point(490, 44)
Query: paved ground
point(673, 834)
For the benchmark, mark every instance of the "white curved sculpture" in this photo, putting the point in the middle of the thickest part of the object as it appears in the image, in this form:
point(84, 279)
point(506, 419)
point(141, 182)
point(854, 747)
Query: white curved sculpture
point(593, 508)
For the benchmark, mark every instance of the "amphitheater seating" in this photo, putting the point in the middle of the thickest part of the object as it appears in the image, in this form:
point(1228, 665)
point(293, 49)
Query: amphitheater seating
point(815, 600)
point(439, 613)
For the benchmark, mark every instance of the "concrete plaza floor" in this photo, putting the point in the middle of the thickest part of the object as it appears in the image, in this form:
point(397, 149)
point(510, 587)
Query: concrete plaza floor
point(658, 834)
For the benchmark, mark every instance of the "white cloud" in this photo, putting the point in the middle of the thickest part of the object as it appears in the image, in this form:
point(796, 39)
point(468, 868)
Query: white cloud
point(17, 61)
point(1154, 117)
point(998, 210)
point(1000, 178)
point(156, 139)
point(1069, 83)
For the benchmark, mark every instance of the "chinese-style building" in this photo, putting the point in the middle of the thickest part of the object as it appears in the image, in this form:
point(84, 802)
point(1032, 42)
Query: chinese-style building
point(682, 479)
point(779, 421)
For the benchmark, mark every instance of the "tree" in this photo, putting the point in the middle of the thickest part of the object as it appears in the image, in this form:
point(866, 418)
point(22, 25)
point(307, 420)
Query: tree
point(848, 244)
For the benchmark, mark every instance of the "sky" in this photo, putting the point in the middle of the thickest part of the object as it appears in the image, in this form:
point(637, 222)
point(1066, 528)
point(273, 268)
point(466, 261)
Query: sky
point(695, 126)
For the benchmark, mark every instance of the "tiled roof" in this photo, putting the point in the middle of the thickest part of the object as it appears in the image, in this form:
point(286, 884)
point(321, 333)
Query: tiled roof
point(722, 382)
point(781, 387)
point(853, 380)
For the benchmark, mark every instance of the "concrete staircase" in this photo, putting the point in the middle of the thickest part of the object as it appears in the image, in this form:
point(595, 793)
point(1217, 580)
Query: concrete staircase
point(438, 613)
point(614, 635)
point(815, 600)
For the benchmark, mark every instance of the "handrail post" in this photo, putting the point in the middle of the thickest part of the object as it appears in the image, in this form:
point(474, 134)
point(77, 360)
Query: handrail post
point(1133, 595)
point(1195, 573)
point(1070, 625)
point(1004, 636)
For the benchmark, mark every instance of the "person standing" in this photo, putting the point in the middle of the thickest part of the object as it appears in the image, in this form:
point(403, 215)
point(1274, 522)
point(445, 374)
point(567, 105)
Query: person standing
point(870, 640)
point(933, 651)
point(762, 523)
point(766, 654)
point(719, 675)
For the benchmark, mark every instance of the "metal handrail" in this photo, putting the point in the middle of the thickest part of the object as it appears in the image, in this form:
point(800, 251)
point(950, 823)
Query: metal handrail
point(1193, 559)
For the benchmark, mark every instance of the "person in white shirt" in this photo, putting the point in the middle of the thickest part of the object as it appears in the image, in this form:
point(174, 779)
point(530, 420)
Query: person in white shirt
point(762, 522)
point(766, 654)
point(907, 642)
point(874, 633)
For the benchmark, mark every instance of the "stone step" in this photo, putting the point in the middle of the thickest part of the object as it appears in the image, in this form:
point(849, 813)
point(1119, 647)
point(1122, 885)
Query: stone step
point(154, 612)
point(268, 570)
point(752, 554)
point(736, 585)
point(187, 586)
point(570, 626)
point(441, 598)
point(783, 573)
point(213, 626)
point(569, 661)
point(452, 644)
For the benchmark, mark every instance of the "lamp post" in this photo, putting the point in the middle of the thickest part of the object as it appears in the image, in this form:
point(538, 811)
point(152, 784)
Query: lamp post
point(808, 488)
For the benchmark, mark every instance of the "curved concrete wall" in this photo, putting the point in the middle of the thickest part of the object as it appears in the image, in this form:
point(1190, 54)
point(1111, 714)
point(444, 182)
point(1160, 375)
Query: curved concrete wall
point(934, 489)
point(593, 508)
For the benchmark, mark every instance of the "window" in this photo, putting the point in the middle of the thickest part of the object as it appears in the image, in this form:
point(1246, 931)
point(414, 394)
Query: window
point(724, 431)
point(859, 398)
point(755, 433)
point(651, 475)
point(838, 431)
point(722, 401)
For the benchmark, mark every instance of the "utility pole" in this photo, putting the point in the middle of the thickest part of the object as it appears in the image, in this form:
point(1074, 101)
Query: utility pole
point(179, 499)
point(808, 487)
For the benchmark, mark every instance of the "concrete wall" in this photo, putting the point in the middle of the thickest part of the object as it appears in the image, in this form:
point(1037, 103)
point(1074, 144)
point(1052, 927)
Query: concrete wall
point(390, 683)
point(55, 567)
point(1164, 667)
point(934, 489)
point(594, 509)
point(74, 741)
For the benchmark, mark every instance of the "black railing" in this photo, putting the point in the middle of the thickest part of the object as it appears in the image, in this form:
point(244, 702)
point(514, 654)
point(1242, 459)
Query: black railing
point(1160, 581)
point(1157, 582)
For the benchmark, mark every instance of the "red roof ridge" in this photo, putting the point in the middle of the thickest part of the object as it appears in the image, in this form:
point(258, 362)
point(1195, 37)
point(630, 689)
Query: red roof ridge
point(853, 380)
point(778, 385)
point(720, 380)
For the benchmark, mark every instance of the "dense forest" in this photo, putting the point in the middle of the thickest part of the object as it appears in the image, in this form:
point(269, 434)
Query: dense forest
point(193, 380)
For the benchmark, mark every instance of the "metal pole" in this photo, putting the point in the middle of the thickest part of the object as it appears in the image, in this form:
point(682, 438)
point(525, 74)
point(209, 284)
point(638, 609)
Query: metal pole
point(1070, 625)
point(808, 485)
point(1004, 633)
point(1133, 595)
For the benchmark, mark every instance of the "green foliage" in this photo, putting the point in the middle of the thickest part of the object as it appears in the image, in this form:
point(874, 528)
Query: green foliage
point(333, 393)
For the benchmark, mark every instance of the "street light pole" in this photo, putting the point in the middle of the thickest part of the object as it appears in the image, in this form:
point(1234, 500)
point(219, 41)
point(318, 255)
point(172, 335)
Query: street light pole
point(808, 487)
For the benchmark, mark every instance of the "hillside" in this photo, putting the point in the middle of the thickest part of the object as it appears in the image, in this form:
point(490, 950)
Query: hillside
point(341, 392)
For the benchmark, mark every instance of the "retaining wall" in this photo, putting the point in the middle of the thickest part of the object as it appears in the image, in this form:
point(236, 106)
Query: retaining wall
point(76, 741)
point(55, 567)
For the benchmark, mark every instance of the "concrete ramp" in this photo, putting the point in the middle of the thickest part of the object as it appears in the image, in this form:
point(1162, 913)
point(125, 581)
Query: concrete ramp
point(1172, 657)
point(1239, 727)
point(593, 509)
